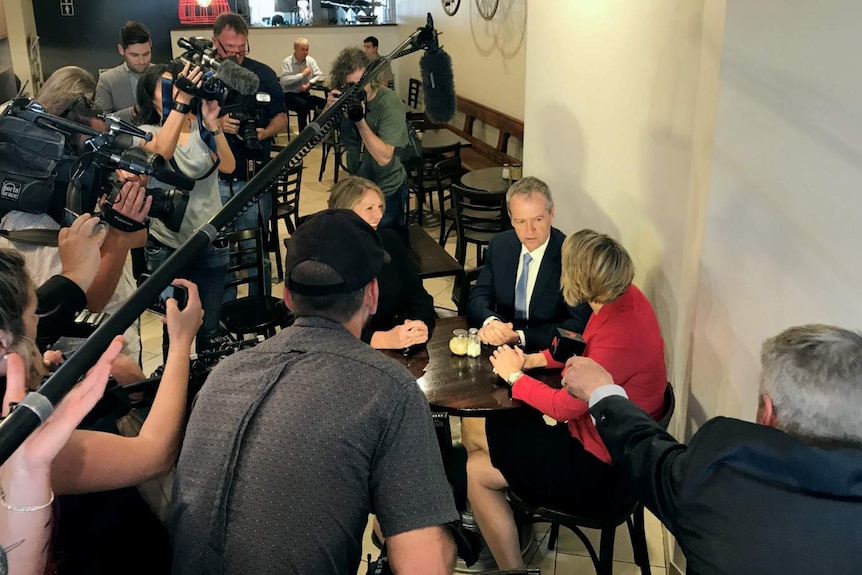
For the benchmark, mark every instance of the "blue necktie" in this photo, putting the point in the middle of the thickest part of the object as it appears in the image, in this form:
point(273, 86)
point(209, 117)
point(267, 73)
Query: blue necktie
point(521, 289)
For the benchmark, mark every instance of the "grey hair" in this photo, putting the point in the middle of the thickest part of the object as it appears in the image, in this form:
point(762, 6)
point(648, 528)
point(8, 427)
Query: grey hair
point(813, 374)
point(527, 187)
point(300, 42)
point(348, 61)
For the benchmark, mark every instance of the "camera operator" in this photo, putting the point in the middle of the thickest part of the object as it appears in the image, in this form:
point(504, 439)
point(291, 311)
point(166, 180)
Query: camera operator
point(372, 139)
point(68, 93)
point(187, 130)
point(230, 38)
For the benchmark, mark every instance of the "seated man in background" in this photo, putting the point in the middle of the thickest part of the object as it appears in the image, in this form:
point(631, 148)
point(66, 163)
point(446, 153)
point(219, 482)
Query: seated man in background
point(294, 442)
point(115, 91)
point(370, 46)
point(783, 495)
point(299, 72)
point(517, 298)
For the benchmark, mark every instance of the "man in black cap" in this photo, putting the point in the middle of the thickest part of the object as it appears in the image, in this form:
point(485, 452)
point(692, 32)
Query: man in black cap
point(294, 442)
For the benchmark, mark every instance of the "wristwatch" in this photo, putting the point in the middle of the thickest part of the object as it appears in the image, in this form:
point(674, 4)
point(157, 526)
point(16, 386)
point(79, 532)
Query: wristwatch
point(181, 108)
point(514, 376)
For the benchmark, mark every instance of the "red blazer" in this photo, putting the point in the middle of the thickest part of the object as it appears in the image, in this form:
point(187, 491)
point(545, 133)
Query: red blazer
point(623, 338)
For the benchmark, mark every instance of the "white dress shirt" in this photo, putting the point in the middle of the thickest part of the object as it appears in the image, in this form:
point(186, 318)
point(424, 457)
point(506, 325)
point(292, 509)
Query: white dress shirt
point(291, 73)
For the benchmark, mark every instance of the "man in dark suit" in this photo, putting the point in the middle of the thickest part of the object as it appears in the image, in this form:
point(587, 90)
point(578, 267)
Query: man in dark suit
point(517, 297)
point(115, 90)
point(783, 495)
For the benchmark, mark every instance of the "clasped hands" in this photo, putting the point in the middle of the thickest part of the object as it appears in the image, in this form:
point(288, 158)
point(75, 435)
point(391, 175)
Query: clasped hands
point(411, 332)
point(495, 332)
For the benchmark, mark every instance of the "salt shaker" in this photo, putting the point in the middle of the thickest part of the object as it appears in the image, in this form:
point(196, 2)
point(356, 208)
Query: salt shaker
point(474, 346)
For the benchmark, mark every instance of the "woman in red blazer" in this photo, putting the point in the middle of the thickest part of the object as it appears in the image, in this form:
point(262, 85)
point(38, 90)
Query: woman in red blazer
point(567, 467)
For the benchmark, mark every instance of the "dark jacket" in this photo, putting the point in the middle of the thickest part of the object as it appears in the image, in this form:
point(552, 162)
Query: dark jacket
point(742, 498)
point(59, 301)
point(494, 293)
point(402, 295)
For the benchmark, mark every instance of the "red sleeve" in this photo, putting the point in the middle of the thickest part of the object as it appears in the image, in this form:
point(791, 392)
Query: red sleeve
point(555, 403)
point(552, 363)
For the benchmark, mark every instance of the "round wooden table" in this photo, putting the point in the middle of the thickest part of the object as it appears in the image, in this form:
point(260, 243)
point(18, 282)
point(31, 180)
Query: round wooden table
point(464, 386)
point(487, 180)
point(435, 141)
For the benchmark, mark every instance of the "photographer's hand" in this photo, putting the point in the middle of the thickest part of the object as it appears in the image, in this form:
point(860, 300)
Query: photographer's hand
point(194, 77)
point(79, 247)
point(183, 325)
point(332, 97)
point(229, 124)
point(133, 201)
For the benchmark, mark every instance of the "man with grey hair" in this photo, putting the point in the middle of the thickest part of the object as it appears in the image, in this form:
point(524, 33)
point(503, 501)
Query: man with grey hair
point(294, 442)
point(517, 298)
point(299, 72)
point(783, 495)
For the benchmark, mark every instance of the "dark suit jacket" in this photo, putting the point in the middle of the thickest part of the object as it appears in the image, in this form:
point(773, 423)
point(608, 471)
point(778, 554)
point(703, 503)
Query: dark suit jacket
point(742, 498)
point(402, 295)
point(494, 293)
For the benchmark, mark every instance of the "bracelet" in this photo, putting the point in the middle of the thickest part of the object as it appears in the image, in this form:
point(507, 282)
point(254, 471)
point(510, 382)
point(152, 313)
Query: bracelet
point(218, 131)
point(181, 108)
point(24, 509)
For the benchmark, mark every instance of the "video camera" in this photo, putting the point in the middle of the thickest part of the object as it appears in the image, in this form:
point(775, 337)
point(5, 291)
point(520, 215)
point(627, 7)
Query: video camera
point(221, 77)
point(37, 160)
point(355, 109)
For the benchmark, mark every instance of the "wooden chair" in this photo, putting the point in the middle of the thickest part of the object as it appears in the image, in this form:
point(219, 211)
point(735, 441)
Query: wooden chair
point(479, 216)
point(413, 88)
point(422, 178)
point(446, 172)
point(624, 510)
point(257, 313)
point(285, 206)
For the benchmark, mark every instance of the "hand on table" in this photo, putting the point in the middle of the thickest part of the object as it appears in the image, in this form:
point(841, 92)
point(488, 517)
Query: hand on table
point(583, 375)
point(507, 360)
point(495, 332)
point(411, 332)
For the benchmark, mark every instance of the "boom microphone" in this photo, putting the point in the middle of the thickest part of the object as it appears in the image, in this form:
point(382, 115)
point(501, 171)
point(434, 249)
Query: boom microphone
point(438, 85)
point(235, 76)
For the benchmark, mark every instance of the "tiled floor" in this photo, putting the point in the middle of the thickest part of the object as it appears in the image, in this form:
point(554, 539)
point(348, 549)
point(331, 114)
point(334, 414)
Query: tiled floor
point(570, 556)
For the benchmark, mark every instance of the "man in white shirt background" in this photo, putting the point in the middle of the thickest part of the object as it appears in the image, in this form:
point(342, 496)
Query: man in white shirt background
point(299, 72)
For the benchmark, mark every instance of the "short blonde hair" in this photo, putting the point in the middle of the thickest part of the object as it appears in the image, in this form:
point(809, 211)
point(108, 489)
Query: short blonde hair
point(595, 268)
point(63, 86)
point(348, 191)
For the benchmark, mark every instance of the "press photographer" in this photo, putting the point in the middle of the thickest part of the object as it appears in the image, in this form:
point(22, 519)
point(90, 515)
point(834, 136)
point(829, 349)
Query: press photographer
point(186, 131)
point(67, 94)
point(265, 118)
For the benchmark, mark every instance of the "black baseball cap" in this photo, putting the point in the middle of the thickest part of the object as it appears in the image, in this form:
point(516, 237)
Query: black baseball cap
point(343, 241)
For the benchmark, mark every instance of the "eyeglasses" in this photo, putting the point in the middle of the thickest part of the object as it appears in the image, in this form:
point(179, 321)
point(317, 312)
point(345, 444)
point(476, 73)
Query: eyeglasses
point(82, 99)
point(241, 52)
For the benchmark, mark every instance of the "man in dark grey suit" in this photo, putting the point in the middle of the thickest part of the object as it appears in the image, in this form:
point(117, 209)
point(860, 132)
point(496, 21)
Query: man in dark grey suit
point(115, 91)
point(517, 298)
point(783, 495)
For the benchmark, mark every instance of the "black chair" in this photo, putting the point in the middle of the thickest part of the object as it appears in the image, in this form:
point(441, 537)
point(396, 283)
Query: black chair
point(462, 287)
point(332, 144)
point(625, 510)
point(260, 313)
point(413, 88)
point(295, 113)
point(479, 216)
point(447, 172)
point(422, 180)
point(285, 206)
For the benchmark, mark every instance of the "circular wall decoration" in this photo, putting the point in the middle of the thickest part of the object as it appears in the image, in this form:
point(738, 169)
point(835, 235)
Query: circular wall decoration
point(487, 8)
point(450, 7)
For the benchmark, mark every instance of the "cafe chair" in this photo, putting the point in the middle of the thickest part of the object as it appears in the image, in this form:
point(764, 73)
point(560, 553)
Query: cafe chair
point(413, 88)
point(332, 144)
point(258, 314)
point(446, 172)
point(624, 510)
point(462, 287)
point(285, 207)
point(479, 216)
point(423, 181)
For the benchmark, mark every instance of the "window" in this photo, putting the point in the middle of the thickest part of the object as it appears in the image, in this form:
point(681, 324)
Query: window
point(333, 12)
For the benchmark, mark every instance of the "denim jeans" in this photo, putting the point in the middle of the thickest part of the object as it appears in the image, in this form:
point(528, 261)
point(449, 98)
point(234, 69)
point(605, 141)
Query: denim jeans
point(246, 221)
point(393, 215)
point(207, 271)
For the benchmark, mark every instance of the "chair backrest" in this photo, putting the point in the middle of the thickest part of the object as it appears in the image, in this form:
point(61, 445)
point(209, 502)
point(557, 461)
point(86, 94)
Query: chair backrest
point(447, 171)
point(413, 92)
point(462, 286)
point(668, 408)
point(285, 195)
point(478, 211)
point(246, 253)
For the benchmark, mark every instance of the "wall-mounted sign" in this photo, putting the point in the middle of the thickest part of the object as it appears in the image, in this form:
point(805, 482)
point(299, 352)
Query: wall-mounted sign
point(67, 8)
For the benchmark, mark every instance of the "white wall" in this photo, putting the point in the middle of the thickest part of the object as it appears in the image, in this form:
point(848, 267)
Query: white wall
point(272, 45)
point(783, 229)
point(21, 25)
point(488, 57)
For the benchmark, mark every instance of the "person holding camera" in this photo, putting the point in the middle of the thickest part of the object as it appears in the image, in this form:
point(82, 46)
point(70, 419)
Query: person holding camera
point(567, 467)
point(374, 130)
point(250, 139)
point(186, 130)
